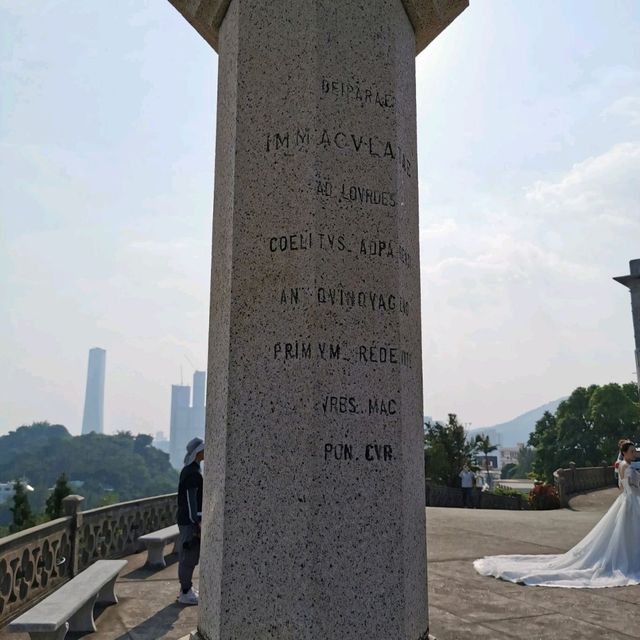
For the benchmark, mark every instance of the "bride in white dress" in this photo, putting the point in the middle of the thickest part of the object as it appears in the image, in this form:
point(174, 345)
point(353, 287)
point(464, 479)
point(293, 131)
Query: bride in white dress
point(608, 556)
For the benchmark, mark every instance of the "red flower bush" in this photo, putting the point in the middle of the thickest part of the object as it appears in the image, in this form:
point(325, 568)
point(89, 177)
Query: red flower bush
point(543, 496)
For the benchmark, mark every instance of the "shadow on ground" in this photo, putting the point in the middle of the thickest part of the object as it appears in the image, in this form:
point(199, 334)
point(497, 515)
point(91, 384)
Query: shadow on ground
point(157, 626)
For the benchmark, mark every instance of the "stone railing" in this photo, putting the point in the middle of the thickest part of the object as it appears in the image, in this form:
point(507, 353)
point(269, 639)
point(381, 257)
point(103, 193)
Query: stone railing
point(38, 560)
point(437, 496)
point(580, 479)
point(113, 531)
point(32, 563)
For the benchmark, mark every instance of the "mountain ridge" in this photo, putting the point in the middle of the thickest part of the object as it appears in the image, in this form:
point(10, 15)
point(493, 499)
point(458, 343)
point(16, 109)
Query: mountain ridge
point(517, 429)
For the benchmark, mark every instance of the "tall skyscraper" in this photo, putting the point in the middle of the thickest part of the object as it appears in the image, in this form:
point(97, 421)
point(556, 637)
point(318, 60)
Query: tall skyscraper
point(199, 380)
point(186, 421)
point(93, 415)
point(196, 418)
point(179, 425)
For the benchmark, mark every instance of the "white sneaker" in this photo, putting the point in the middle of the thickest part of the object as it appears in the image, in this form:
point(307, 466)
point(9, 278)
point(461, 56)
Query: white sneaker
point(190, 598)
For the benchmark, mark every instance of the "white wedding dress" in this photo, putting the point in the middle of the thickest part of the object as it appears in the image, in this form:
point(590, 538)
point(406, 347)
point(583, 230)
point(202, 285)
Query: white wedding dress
point(608, 556)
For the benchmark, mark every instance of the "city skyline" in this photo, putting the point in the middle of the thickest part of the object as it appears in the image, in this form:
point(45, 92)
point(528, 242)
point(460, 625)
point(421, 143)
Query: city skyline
point(529, 147)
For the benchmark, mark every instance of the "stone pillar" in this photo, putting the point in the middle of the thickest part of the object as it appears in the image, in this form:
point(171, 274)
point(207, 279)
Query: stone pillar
point(71, 508)
point(314, 518)
point(632, 282)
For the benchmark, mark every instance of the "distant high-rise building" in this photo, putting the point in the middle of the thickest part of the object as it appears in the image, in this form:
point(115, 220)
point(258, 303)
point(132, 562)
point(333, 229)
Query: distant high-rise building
point(186, 421)
point(179, 425)
point(196, 418)
point(199, 381)
point(160, 442)
point(93, 416)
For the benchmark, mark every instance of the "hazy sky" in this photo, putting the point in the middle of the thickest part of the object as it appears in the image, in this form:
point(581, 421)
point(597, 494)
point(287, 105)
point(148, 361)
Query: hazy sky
point(529, 159)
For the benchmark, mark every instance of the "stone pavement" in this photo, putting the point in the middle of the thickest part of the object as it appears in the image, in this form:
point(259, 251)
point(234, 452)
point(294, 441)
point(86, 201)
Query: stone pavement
point(147, 609)
point(462, 604)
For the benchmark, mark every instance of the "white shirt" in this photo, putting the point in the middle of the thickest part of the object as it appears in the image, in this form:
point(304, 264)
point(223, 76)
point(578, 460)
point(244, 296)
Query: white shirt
point(467, 479)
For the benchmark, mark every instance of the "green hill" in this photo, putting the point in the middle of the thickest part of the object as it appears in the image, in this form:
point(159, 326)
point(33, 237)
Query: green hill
point(119, 467)
point(518, 429)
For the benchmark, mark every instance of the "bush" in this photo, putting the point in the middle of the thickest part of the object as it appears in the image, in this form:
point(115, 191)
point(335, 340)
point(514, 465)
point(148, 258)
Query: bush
point(507, 491)
point(543, 496)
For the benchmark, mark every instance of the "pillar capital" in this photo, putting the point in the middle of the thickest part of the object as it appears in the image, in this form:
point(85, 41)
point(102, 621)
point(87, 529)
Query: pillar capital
point(633, 279)
point(428, 17)
point(72, 504)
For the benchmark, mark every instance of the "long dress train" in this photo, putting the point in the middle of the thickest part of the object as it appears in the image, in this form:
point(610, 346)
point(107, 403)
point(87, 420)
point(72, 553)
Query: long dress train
point(608, 556)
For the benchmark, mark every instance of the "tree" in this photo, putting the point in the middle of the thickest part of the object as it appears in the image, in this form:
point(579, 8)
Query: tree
point(21, 510)
point(107, 499)
point(483, 445)
point(544, 439)
point(53, 507)
point(141, 442)
point(525, 462)
point(122, 463)
point(446, 451)
point(585, 428)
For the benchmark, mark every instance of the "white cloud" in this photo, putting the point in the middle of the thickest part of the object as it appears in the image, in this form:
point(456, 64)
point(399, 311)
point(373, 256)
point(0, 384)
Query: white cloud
point(600, 187)
point(440, 229)
point(627, 108)
point(517, 292)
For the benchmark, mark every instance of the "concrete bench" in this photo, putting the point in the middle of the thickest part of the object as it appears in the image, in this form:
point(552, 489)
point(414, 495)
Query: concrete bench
point(156, 542)
point(70, 608)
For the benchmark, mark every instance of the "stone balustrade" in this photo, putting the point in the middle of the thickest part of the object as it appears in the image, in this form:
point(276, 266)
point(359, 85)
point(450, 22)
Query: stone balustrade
point(32, 562)
point(36, 561)
point(579, 479)
point(439, 496)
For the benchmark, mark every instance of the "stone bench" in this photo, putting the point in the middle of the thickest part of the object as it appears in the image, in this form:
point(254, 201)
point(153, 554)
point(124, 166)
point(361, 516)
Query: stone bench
point(70, 608)
point(156, 542)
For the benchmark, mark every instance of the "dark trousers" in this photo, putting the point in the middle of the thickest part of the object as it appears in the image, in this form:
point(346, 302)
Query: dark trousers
point(188, 554)
point(467, 497)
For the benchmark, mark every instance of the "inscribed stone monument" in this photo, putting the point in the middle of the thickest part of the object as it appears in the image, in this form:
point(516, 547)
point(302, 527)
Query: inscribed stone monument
point(314, 518)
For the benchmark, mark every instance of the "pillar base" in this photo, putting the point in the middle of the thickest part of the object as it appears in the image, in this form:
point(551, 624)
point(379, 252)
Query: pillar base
point(195, 635)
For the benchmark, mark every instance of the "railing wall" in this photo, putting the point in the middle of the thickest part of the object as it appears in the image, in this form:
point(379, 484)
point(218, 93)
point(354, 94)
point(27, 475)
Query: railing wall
point(32, 563)
point(36, 561)
point(437, 496)
point(580, 479)
point(113, 531)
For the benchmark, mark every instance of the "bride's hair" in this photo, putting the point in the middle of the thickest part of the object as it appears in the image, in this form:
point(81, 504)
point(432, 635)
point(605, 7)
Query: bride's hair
point(625, 446)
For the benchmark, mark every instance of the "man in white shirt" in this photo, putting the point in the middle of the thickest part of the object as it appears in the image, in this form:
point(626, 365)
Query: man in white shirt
point(466, 480)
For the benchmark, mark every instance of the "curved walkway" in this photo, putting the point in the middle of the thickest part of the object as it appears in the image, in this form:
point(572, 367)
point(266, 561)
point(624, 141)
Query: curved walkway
point(464, 605)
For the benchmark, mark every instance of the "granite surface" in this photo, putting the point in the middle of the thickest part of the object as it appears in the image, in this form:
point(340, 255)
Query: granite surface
point(428, 17)
point(314, 521)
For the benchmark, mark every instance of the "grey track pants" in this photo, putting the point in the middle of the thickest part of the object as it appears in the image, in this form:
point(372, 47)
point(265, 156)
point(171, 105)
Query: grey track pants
point(188, 554)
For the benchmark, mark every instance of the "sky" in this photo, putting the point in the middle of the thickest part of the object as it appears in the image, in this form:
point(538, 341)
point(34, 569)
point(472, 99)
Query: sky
point(528, 154)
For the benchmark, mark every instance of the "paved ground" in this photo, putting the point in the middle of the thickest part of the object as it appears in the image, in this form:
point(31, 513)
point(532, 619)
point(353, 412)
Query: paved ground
point(147, 609)
point(462, 604)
